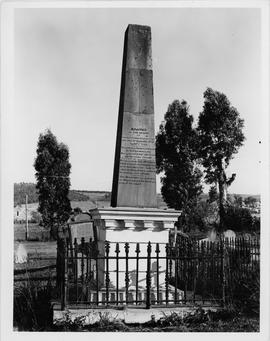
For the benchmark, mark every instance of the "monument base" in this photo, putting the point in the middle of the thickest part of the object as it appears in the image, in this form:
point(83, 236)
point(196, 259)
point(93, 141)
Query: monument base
point(136, 296)
point(129, 231)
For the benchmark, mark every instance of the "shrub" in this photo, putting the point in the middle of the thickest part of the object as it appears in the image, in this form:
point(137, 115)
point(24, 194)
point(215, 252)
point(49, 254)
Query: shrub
point(244, 294)
point(238, 219)
point(32, 310)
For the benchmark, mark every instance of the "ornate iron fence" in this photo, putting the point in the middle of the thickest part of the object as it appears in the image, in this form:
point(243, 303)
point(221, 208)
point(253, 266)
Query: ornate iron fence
point(91, 274)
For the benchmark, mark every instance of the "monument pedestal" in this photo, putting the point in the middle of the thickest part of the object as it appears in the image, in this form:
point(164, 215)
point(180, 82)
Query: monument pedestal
point(134, 219)
point(137, 227)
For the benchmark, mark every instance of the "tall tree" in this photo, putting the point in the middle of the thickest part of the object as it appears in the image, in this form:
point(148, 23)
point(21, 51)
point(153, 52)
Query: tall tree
point(220, 133)
point(176, 157)
point(52, 173)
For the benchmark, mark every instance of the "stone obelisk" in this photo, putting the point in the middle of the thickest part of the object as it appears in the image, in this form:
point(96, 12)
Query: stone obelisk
point(133, 216)
point(134, 178)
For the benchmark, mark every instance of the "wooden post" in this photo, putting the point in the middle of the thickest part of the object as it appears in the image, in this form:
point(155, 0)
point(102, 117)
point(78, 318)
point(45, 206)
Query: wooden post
point(26, 217)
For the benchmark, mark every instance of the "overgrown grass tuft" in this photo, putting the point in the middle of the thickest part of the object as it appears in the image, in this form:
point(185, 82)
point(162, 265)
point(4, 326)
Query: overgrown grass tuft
point(32, 310)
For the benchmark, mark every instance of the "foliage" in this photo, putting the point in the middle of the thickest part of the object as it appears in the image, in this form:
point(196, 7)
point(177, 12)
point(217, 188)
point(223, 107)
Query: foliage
point(35, 217)
point(244, 294)
point(238, 219)
point(77, 210)
point(202, 216)
point(194, 218)
point(250, 201)
point(176, 157)
point(202, 320)
point(212, 194)
point(52, 174)
point(256, 224)
point(220, 134)
point(238, 200)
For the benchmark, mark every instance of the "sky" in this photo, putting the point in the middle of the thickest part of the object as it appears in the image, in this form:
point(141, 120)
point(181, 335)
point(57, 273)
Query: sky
point(67, 78)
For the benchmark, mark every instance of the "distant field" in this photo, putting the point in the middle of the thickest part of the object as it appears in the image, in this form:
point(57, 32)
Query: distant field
point(38, 249)
point(35, 232)
point(40, 266)
point(83, 205)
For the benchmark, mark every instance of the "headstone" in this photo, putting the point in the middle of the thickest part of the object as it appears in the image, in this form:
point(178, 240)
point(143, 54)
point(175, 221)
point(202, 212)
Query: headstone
point(212, 236)
point(230, 234)
point(20, 255)
point(134, 179)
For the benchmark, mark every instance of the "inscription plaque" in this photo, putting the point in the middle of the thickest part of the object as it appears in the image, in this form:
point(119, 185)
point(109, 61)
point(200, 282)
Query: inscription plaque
point(134, 179)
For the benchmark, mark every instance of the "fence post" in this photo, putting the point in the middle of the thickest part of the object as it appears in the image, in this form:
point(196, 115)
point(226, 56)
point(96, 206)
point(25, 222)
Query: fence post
point(137, 270)
point(127, 273)
point(107, 278)
point(117, 251)
point(175, 274)
point(157, 273)
point(167, 274)
point(75, 271)
point(148, 277)
point(64, 274)
point(82, 260)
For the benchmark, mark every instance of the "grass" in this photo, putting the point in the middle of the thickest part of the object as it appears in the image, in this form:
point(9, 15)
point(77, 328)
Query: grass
point(199, 321)
point(37, 272)
point(32, 310)
point(37, 249)
point(35, 232)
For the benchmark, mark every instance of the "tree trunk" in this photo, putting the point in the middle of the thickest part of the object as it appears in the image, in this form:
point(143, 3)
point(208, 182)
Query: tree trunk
point(221, 205)
point(222, 196)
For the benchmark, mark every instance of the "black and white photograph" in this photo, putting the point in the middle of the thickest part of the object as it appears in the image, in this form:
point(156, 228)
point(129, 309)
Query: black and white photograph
point(135, 169)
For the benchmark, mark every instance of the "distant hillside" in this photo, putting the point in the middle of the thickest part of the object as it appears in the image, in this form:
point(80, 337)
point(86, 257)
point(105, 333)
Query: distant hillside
point(98, 198)
point(21, 189)
point(204, 196)
point(96, 195)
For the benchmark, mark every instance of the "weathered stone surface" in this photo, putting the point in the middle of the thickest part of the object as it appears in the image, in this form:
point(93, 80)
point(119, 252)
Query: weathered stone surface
point(134, 180)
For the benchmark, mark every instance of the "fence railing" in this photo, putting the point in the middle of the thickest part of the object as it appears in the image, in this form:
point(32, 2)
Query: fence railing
point(144, 274)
